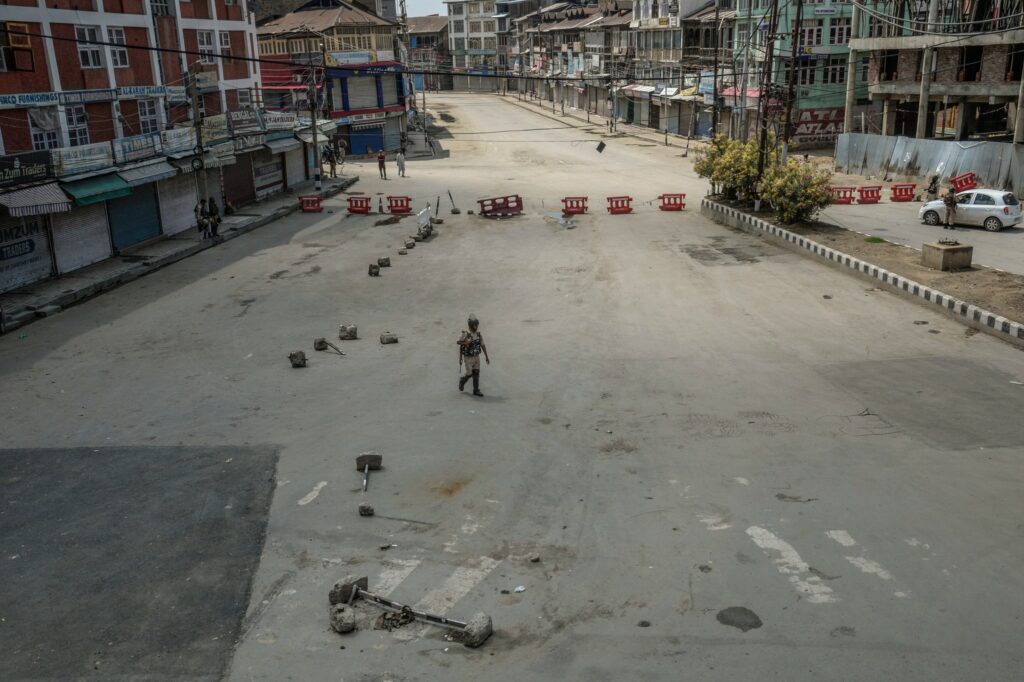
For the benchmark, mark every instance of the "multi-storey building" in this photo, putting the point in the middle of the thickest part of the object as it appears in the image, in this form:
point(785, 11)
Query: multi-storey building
point(100, 127)
point(473, 41)
point(950, 70)
point(429, 58)
point(349, 53)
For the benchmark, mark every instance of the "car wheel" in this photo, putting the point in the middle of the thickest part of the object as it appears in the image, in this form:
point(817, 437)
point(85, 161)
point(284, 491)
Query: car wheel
point(992, 224)
point(931, 218)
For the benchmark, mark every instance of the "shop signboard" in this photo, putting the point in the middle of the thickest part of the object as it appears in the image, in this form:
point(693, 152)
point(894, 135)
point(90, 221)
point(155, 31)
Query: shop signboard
point(82, 159)
point(16, 169)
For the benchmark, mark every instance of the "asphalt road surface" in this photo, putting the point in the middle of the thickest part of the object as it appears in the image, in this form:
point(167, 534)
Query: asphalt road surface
point(733, 463)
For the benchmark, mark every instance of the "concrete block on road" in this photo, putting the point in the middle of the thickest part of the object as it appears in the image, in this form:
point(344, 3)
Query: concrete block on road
point(384, 262)
point(478, 629)
point(373, 459)
point(341, 593)
point(410, 243)
point(388, 337)
point(348, 332)
point(374, 270)
point(343, 618)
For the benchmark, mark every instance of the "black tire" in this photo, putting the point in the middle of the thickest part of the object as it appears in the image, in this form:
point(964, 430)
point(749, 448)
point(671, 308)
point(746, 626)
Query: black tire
point(931, 218)
point(993, 224)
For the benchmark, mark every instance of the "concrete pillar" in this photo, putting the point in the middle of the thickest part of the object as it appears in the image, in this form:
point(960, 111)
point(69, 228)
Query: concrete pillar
point(961, 119)
point(926, 74)
point(1018, 124)
point(885, 115)
point(851, 74)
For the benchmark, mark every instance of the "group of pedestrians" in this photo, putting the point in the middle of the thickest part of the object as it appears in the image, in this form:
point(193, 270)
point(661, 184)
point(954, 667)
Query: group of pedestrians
point(208, 218)
point(382, 167)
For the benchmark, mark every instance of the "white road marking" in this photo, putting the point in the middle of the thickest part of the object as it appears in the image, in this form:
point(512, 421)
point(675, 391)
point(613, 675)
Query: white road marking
point(457, 586)
point(914, 542)
point(792, 566)
point(311, 495)
point(842, 537)
point(714, 522)
point(901, 595)
point(395, 571)
point(869, 566)
point(741, 480)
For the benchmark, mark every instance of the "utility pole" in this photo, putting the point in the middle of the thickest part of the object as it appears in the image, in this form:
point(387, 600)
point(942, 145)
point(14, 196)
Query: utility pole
point(745, 126)
point(197, 124)
point(851, 73)
point(926, 74)
point(787, 133)
point(714, 84)
point(762, 150)
point(314, 114)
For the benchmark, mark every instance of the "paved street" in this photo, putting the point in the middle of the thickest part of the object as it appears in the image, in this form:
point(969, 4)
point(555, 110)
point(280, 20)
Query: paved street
point(678, 419)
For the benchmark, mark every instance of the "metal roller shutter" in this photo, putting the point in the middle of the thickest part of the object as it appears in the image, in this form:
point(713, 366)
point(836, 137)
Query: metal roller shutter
point(366, 140)
point(24, 251)
point(177, 203)
point(362, 92)
point(393, 133)
point(389, 86)
point(238, 187)
point(81, 237)
point(267, 173)
point(134, 218)
point(295, 165)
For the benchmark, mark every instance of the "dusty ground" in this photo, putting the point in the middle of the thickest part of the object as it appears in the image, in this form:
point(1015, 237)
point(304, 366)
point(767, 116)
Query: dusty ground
point(676, 420)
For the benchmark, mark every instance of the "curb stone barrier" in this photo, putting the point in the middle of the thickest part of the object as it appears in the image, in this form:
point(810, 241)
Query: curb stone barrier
point(966, 313)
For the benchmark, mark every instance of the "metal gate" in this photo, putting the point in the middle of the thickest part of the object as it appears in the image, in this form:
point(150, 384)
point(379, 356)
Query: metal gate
point(238, 187)
point(177, 203)
point(134, 218)
point(24, 251)
point(362, 92)
point(295, 166)
point(389, 88)
point(80, 237)
point(366, 139)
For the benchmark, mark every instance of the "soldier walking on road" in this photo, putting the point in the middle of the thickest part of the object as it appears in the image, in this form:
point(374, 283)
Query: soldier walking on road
point(950, 201)
point(471, 345)
point(381, 159)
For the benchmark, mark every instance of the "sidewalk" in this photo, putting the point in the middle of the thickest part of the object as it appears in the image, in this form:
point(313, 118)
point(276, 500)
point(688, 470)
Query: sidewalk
point(649, 134)
point(22, 306)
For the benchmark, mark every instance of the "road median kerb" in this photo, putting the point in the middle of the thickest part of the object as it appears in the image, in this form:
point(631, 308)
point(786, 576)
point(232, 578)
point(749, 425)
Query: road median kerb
point(966, 313)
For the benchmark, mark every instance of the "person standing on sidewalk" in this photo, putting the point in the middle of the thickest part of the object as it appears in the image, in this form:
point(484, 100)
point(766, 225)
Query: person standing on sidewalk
point(400, 160)
point(213, 211)
point(203, 218)
point(471, 345)
point(950, 201)
point(381, 159)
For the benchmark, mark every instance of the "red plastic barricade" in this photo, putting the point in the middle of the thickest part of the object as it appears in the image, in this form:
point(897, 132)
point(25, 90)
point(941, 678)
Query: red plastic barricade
point(672, 202)
point(399, 204)
point(620, 205)
point(964, 181)
point(359, 204)
point(574, 205)
point(310, 203)
point(501, 206)
point(842, 195)
point(902, 192)
point(869, 194)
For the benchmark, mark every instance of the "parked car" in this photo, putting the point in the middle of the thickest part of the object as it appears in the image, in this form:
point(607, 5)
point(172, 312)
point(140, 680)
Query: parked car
point(989, 208)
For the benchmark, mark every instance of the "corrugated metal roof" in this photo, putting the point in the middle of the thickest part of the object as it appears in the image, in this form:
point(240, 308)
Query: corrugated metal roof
point(434, 23)
point(322, 19)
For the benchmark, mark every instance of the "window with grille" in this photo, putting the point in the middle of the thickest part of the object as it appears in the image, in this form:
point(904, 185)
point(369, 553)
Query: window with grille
point(488, 27)
point(244, 99)
point(810, 32)
point(839, 31)
point(118, 55)
point(835, 70)
point(44, 139)
point(89, 54)
point(78, 125)
point(474, 27)
point(160, 7)
point(225, 43)
point(458, 26)
point(805, 73)
point(149, 121)
point(206, 49)
point(455, 10)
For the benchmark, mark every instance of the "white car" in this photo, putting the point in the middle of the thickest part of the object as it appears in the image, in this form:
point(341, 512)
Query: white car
point(989, 208)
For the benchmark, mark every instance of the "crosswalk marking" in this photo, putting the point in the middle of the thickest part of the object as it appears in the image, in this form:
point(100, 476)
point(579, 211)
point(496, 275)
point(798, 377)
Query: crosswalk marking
point(457, 586)
point(393, 574)
point(792, 566)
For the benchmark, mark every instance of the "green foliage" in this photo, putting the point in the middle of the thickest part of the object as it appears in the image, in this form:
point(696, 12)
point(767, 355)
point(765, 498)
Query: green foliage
point(797, 190)
point(874, 240)
point(731, 166)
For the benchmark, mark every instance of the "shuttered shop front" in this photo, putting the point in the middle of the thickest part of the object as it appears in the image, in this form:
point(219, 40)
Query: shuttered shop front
point(81, 237)
point(238, 187)
point(295, 165)
point(362, 92)
point(134, 218)
point(366, 138)
point(267, 173)
point(178, 199)
point(24, 251)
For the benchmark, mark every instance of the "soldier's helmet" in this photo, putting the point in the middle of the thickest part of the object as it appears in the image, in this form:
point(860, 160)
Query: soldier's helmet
point(473, 322)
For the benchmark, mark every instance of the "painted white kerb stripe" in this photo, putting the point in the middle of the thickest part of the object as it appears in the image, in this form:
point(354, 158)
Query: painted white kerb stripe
point(457, 586)
point(842, 537)
point(311, 495)
point(791, 565)
point(392, 575)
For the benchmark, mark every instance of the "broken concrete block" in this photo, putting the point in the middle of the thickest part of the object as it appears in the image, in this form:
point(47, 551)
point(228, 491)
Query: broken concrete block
point(343, 618)
point(416, 237)
point(478, 629)
point(374, 270)
point(348, 332)
point(534, 558)
point(298, 359)
point(437, 221)
point(455, 211)
point(365, 509)
point(341, 593)
point(469, 212)
point(388, 337)
point(320, 344)
point(403, 252)
point(410, 243)
point(373, 458)
point(384, 262)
